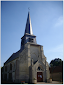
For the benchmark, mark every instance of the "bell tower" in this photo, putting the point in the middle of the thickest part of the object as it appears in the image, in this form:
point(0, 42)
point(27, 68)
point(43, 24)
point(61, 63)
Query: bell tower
point(28, 35)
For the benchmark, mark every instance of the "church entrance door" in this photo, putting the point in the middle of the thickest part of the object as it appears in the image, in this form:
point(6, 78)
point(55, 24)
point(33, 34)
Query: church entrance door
point(39, 76)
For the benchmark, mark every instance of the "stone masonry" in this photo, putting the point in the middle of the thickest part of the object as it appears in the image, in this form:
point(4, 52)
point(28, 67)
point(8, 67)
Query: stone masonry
point(29, 63)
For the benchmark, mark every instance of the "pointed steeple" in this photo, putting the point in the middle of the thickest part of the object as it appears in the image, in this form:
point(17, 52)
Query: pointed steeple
point(28, 28)
point(28, 35)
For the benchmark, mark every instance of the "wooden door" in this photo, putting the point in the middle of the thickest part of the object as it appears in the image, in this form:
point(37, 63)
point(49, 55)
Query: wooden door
point(39, 76)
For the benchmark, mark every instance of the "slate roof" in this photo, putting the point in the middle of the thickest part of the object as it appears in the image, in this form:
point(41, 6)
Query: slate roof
point(28, 28)
point(13, 56)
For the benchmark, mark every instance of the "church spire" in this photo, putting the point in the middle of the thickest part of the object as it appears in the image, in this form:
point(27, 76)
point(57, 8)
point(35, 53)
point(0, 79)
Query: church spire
point(28, 35)
point(28, 28)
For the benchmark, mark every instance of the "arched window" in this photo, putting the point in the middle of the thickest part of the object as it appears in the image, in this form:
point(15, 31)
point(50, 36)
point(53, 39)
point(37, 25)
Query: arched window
point(39, 68)
point(6, 68)
point(10, 66)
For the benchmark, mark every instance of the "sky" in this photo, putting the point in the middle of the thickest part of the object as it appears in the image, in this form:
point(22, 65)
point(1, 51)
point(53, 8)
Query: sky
point(47, 25)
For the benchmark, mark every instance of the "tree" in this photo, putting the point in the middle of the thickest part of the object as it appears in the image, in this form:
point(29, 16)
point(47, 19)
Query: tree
point(56, 62)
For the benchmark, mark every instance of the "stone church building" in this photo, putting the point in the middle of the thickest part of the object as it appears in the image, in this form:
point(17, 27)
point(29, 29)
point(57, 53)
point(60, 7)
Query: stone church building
point(29, 63)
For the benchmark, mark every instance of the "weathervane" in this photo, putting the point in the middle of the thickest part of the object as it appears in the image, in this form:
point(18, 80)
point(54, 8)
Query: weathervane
point(28, 8)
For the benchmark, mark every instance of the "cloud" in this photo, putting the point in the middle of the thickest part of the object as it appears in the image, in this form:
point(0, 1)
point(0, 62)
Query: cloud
point(59, 21)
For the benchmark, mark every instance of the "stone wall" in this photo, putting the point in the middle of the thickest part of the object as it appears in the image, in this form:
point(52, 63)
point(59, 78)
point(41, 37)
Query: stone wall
point(34, 52)
point(24, 68)
point(56, 76)
point(9, 71)
point(24, 63)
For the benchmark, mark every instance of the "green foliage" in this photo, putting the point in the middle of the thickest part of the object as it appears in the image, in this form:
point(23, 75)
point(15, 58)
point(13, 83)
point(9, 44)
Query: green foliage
point(56, 62)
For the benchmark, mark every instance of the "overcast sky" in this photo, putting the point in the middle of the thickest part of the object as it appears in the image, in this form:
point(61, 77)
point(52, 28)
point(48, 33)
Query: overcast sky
point(47, 26)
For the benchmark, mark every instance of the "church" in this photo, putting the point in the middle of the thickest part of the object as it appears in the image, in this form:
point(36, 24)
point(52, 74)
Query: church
point(29, 63)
